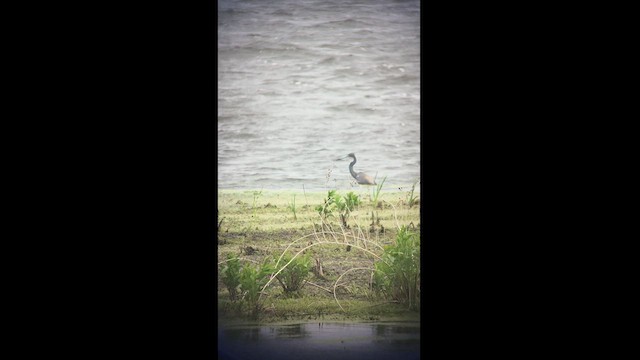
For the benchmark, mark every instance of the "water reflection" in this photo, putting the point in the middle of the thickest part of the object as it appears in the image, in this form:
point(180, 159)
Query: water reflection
point(290, 332)
point(244, 334)
point(311, 341)
point(380, 331)
point(393, 334)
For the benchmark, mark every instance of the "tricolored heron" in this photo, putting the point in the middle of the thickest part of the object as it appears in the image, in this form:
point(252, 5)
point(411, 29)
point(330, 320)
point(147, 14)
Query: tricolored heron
point(361, 178)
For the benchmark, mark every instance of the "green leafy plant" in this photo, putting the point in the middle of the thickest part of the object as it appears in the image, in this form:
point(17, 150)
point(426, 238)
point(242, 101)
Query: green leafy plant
point(351, 200)
point(339, 202)
point(330, 204)
point(376, 192)
point(345, 205)
point(252, 279)
point(397, 275)
point(335, 202)
point(230, 275)
point(293, 275)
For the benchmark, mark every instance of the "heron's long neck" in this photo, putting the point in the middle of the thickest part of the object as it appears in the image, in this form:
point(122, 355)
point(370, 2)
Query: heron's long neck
point(353, 173)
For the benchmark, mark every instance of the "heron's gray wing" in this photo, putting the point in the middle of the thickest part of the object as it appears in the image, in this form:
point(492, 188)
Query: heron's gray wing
point(363, 178)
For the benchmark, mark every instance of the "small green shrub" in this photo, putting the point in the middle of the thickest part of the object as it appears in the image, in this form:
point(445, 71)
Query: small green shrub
point(230, 275)
point(293, 275)
point(351, 201)
point(397, 276)
point(335, 202)
point(252, 279)
point(330, 204)
point(345, 205)
point(339, 202)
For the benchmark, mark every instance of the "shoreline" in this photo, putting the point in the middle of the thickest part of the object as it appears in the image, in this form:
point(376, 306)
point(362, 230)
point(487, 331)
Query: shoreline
point(387, 187)
point(231, 322)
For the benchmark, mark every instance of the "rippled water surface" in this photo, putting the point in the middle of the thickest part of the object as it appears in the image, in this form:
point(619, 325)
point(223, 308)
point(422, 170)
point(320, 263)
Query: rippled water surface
point(303, 82)
point(311, 341)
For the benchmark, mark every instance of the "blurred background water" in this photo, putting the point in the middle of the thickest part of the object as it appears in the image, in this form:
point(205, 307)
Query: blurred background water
point(303, 82)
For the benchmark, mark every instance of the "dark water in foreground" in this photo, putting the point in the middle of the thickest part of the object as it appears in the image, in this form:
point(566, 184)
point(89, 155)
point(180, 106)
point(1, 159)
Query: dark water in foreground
point(326, 341)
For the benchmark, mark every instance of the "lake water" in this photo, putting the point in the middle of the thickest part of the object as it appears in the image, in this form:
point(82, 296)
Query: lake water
point(303, 82)
point(320, 341)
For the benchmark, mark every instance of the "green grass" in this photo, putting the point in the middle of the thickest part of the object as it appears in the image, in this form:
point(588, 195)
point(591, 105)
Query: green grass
point(230, 275)
point(412, 199)
point(398, 272)
point(376, 192)
point(295, 272)
point(292, 207)
point(256, 231)
point(312, 308)
point(273, 213)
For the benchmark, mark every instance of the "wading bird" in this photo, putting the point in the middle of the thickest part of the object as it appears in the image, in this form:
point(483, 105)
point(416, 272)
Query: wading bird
point(361, 178)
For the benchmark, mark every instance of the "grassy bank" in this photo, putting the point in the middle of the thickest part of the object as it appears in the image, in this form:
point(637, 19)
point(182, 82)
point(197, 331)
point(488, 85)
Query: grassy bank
point(341, 247)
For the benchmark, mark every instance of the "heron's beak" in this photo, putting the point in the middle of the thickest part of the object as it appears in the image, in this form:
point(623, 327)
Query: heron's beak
point(342, 158)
